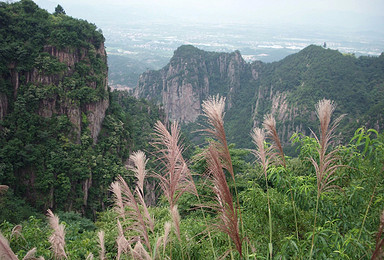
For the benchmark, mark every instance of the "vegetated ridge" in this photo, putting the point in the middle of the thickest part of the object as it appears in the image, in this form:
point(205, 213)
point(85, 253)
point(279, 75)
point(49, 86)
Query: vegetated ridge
point(63, 135)
point(288, 89)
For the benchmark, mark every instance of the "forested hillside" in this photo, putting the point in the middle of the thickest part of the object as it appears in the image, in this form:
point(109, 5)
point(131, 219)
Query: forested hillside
point(63, 135)
point(288, 89)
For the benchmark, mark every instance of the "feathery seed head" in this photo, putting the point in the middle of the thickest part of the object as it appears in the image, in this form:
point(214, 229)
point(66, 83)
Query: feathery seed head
point(214, 107)
point(3, 189)
point(324, 110)
point(57, 239)
point(269, 122)
point(138, 162)
point(258, 138)
point(100, 236)
point(5, 250)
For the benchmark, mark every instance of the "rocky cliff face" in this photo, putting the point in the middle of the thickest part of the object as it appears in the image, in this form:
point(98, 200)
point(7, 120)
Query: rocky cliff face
point(57, 103)
point(189, 78)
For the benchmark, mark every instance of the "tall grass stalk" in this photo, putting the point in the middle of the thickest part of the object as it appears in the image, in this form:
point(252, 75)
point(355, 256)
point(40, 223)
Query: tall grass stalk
point(139, 221)
point(366, 213)
point(327, 165)
point(227, 214)
point(209, 232)
point(213, 109)
point(264, 155)
point(270, 125)
point(175, 178)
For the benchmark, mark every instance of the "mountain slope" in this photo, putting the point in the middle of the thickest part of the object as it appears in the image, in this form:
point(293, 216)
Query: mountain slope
point(288, 89)
point(63, 136)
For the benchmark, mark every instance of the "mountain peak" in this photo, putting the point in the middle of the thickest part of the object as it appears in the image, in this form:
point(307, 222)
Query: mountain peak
point(187, 51)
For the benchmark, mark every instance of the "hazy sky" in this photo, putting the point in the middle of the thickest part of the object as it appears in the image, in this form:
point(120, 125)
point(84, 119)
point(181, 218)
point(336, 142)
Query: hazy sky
point(350, 14)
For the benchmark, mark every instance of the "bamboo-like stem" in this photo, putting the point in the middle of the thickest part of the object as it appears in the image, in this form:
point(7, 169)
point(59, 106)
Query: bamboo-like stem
point(366, 213)
point(314, 226)
point(206, 224)
point(270, 248)
point(270, 125)
point(264, 155)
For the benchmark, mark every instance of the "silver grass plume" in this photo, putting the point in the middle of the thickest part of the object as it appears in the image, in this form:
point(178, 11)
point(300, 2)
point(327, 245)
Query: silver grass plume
point(270, 125)
point(5, 250)
point(327, 166)
point(138, 162)
point(101, 242)
point(176, 177)
point(57, 239)
point(30, 254)
point(227, 214)
point(139, 252)
point(176, 220)
point(139, 221)
point(3, 189)
point(122, 243)
point(213, 109)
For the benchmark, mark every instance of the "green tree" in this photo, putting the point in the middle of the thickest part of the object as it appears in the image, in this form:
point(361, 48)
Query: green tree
point(59, 10)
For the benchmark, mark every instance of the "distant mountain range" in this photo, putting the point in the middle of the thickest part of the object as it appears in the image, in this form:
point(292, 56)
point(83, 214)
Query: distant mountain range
point(289, 89)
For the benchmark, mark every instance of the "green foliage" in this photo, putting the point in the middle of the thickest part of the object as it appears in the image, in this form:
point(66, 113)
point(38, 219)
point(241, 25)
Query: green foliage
point(59, 10)
point(346, 222)
point(288, 88)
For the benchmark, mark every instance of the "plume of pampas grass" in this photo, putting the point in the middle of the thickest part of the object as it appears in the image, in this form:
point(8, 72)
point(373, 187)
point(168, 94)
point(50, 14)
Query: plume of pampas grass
point(5, 250)
point(138, 162)
point(118, 199)
point(176, 220)
point(90, 256)
point(263, 154)
point(176, 178)
point(122, 243)
point(139, 222)
point(16, 231)
point(269, 124)
point(30, 254)
point(139, 252)
point(227, 215)
point(3, 189)
point(57, 239)
point(167, 229)
point(213, 109)
point(100, 236)
point(327, 166)
point(163, 240)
